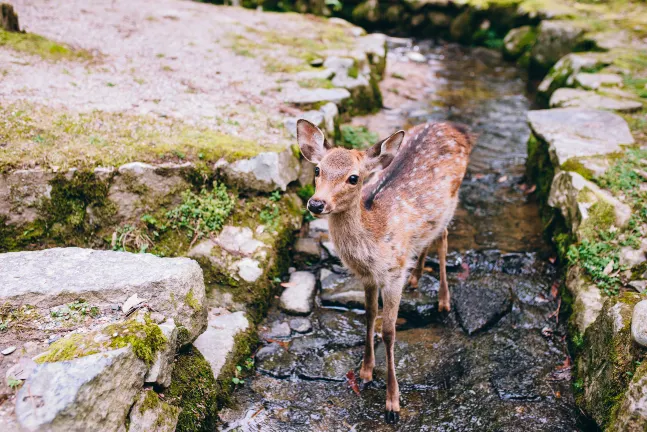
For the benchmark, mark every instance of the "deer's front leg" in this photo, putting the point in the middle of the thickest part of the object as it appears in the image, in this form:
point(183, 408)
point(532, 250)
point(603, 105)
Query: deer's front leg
point(391, 299)
point(370, 293)
point(444, 303)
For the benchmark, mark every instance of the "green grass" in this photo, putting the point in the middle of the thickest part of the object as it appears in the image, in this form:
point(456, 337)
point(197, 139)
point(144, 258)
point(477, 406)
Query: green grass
point(34, 44)
point(357, 137)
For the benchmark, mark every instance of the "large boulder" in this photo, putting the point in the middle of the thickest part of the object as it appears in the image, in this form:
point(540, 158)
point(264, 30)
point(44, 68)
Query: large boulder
point(264, 172)
point(89, 393)
point(578, 98)
point(518, 41)
point(594, 81)
point(173, 287)
point(555, 39)
point(151, 414)
point(579, 132)
point(587, 299)
point(563, 73)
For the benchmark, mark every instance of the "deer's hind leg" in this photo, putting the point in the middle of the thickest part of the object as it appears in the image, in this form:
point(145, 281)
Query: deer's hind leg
point(444, 300)
point(416, 274)
point(391, 294)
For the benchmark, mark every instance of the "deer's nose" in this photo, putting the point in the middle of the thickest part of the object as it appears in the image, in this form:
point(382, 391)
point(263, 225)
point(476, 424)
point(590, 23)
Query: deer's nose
point(316, 206)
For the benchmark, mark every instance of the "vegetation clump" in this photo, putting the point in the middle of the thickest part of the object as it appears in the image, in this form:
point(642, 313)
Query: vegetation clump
point(357, 137)
point(34, 44)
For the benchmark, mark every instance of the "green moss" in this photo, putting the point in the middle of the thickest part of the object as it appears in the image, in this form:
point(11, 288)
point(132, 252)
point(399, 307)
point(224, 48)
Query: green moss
point(602, 216)
point(34, 44)
point(357, 137)
point(192, 301)
point(316, 83)
point(145, 338)
point(151, 401)
point(540, 171)
point(575, 165)
point(69, 348)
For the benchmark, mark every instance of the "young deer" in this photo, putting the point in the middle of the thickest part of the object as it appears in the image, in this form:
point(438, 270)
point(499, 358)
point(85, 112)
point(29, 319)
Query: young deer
point(378, 230)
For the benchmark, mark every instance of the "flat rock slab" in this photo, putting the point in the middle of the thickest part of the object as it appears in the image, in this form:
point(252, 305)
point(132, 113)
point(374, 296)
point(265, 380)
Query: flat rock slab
point(99, 389)
point(342, 290)
point(639, 323)
point(217, 342)
point(571, 98)
point(481, 301)
point(307, 96)
point(55, 276)
point(593, 81)
point(298, 297)
point(579, 132)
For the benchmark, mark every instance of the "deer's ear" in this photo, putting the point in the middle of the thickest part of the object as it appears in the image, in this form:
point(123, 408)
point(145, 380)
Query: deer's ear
point(311, 140)
point(382, 154)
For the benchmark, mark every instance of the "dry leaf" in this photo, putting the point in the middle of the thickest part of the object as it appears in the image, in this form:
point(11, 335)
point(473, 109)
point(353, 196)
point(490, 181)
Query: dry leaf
point(288, 284)
point(352, 382)
point(554, 290)
point(465, 273)
point(502, 179)
point(285, 345)
point(530, 190)
point(552, 260)
point(609, 268)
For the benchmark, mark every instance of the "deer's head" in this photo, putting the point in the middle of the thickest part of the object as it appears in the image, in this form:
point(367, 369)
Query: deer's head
point(340, 172)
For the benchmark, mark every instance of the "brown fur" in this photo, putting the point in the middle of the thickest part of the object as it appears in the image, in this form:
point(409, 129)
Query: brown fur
point(380, 229)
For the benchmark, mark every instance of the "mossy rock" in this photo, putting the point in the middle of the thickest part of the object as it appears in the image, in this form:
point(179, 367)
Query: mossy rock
point(518, 41)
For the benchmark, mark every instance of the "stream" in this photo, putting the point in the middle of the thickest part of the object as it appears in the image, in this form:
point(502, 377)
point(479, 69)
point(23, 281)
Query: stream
point(498, 360)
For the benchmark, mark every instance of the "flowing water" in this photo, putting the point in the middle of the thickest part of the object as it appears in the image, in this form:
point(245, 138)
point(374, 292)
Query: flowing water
point(498, 361)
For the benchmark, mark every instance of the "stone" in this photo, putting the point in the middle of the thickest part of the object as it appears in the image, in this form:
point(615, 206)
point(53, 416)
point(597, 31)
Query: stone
point(162, 367)
point(576, 197)
point(98, 388)
point(249, 269)
point(555, 39)
point(131, 304)
point(632, 411)
point(439, 20)
point(373, 47)
point(275, 361)
point(639, 323)
point(342, 66)
point(308, 246)
point(518, 41)
point(314, 96)
point(463, 26)
point(322, 74)
point(330, 113)
point(8, 350)
point(587, 299)
point(579, 132)
point(149, 413)
point(572, 98)
point(481, 302)
point(37, 278)
point(278, 330)
point(21, 192)
point(301, 325)
point(217, 342)
point(564, 71)
point(8, 18)
point(22, 370)
point(421, 305)
point(298, 297)
point(631, 257)
point(329, 246)
point(594, 81)
point(342, 290)
point(265, 172)
point(639, 285)
point(314, 117)
point(318, 227)
point(416, 57)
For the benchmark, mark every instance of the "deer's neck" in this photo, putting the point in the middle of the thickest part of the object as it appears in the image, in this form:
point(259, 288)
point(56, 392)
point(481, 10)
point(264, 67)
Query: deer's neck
point(353, 240)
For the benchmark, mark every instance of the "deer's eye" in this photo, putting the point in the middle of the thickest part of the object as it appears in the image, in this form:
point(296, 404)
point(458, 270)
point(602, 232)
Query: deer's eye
point(353, 179)
point(316, 171)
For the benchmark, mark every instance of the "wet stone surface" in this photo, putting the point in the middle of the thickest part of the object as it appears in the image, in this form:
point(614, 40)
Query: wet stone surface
point(495, 362)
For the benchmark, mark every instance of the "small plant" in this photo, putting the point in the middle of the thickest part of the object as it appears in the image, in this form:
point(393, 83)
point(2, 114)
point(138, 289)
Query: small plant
point(270, 215)
point(236, 379)
point(14, 384)
point(202, 213)
point(305, 192)
point(130, 238)
point(579, 384)
point(275, 196)
point(357, 137)
point(578, 340)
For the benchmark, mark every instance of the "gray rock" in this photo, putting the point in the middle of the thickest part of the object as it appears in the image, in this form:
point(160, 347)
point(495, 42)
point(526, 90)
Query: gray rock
point(107, 278)
point(631, 257)
point(323, 74)
point(298, 298)
point(565, 70)
point(217, 342)
point(638, 285)
point(329, 246)
point(275, 361)
point(307, 174)
point(278, 330)
point(151, 414)
point(518, 41)
point(21, 192)
point(318, 227)
point(21, 370)
point(587, 299)
point(416, 57)
point(331, 366)
point(313, 96)
point(8, 350)
point(632, 412)
point(572, 98)
point(300, 325)
point(162, 367)
point(639, 323)
point(314, 117)
point(308, 246)
point(91, 393)
point(575, 196)
point(264, 172)
point(421, 305)
point(481, 302)
point(555, 39)
point(579, 132)
point(594, 81)
point(342, 290)
point(330, 113)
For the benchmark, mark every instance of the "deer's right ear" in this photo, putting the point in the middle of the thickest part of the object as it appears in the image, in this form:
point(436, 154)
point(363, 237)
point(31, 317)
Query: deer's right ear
point(311, 140)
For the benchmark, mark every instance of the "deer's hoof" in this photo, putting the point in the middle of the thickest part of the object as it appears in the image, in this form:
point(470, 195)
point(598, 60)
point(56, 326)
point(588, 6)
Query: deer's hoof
point(391, 417)
point(444, 306)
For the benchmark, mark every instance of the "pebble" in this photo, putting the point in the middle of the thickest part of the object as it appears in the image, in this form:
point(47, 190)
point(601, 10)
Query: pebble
point(8, 350)
point(416, 57)
point(639, 323)
point(318, 62)
point(300, 325)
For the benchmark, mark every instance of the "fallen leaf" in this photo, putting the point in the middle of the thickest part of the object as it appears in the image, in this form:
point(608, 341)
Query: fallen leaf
point(352, 382)
point(523, 187)
point(558, 395)
point(478, 176)
point(285, 345)
point(288, 284)
point(530, 190)
point(502, 179)
point(465, 273)
point(554, 290)
point(609, 268)
point(552, 260)
point(429, 269)
point(547, 332)
point(555, 313)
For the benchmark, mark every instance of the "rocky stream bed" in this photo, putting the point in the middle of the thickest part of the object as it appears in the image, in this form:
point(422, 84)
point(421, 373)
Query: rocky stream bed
point(498, 361)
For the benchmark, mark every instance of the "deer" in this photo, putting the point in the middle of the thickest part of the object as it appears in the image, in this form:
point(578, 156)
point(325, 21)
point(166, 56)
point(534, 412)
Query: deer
point(385, 207)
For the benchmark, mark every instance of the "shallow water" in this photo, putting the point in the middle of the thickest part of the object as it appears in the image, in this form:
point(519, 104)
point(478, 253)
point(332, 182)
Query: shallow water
point(496, 362)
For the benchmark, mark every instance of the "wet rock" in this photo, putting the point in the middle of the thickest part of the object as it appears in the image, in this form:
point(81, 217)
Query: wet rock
point(555, 39)
point(342, 290)
point(421, 305)
point(342, 329)
point(480, 302)
point(308, 344)
point(518, 41)
point(8, 18)
point(108, 277)
point(162, 367)
point(331, 366)
point(151, 414)
point(579, 132)
point(218, 341)
point(264, 172)
point(278, 330)
point(416, 57)
point(99, 389)
point(632, 410)
point(308, 246)
point(594, 81)
point(514, 377)
point(314, 96)
point(298, 298)
point(586, 207)
point(639, 323)
point(573, 98)
point(453, 261)
point(463, 26)
point(300, 325)
point(275, 361)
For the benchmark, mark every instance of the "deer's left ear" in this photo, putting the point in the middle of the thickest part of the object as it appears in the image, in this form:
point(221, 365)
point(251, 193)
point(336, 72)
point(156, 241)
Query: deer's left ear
point(382, 154)
point(312, 142)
